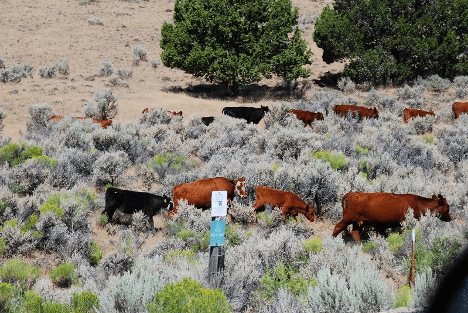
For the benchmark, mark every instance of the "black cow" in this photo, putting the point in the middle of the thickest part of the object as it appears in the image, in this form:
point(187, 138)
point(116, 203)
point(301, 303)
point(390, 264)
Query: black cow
point(250, 114)
point(207, 120)
point(129, 202)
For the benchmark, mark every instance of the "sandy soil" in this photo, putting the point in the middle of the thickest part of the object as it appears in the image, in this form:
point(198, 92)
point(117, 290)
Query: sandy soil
point(44, 32)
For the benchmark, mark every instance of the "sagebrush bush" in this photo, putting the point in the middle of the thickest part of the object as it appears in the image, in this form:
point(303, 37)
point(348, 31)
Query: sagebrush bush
point(95, 21)
point(14, 73)
point(138, 54)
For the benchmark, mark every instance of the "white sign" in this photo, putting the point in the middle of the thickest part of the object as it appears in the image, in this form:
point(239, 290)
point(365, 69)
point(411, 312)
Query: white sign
point(219, 203)
point(414, 235)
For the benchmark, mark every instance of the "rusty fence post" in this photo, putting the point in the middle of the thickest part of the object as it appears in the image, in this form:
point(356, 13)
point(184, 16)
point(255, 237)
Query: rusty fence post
point(412, 260)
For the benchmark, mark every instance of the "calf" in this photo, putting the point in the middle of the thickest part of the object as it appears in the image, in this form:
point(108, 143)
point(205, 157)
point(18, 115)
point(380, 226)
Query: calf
point(459, 108)
point(307, 117)
point(381, 209)
point(289, 202)
point(412, 113)
point(250, 114)
point(129, 202)
point(356, 111)
point(176, 113)
point(199, 192)
point(145, 110)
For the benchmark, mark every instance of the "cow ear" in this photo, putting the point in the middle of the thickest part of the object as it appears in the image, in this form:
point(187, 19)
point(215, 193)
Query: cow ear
point(434, 197)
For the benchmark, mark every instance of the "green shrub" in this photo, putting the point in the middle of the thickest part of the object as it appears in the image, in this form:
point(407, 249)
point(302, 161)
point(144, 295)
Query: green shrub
point(17, 153)
point(33, 303)
point(96, 255)
point(282, 276)
point(174, 255)
point(337, 161)
point(32, 221)
point(15, 271)
point(2, 245)
point(103, 219)
point(188, 296)
point(232, 236)
point(84, 302)
point(314, 245)
point(395, 242)
point(264, 219)
point(428, 139)
point(403, 297)
point(52, 204)
point(44, 159)
point(6, 294)
point(368, 245)
point(3, 205)
point(64, 275)
point(168, 159)
point(361, 151)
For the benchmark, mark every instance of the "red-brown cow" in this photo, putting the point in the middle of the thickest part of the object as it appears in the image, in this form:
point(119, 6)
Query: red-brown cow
point(104, 123)
point(176, 113)
point(385, 210)
point(198, 192)
point(289, 202)
point(356, 111)
point(412, 113)
point(145, 110)
point(307, 117)
point(459, 108)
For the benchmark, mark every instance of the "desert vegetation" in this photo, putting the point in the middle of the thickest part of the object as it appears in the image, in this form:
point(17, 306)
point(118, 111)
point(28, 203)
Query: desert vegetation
point(59, 254)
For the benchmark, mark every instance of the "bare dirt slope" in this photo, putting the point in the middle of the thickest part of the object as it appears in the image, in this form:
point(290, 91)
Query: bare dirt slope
point(44, 32)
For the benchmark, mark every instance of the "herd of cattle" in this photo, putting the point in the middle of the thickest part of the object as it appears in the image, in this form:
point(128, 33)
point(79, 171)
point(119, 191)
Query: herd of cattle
point(381, 210)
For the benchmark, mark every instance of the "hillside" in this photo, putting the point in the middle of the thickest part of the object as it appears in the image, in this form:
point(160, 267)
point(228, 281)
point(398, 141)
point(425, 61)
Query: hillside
point(54, 172)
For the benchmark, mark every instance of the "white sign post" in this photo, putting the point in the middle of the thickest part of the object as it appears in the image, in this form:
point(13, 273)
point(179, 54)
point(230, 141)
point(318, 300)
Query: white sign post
point(219, 203)
point(216, 261)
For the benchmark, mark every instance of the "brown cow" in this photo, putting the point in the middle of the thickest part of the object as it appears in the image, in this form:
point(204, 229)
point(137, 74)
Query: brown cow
point(459, 108)
point(343, 109)
point(145, 110)
point(104, 123)
point(198, 192)
point(289, 202)
point(176, 113)
point(307, 117)
point(385, 210)
point(412, 113)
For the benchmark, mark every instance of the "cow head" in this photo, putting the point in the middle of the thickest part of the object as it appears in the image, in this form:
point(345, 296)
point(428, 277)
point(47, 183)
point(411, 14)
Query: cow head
point(375, 113)
point(265, 109)
point(168, 201)
point(239, 187)
point(443, 208)
point(310, 213)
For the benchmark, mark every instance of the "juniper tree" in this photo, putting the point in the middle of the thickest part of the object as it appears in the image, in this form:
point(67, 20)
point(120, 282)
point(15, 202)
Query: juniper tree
point(395, 40)
point(235, 42)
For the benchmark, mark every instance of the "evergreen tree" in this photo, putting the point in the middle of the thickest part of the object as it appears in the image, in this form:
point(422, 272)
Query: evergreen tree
point(235, 42)
point(395, 40)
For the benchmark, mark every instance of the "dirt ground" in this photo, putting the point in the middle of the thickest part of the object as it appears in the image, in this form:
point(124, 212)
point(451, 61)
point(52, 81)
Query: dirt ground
point(44, 32)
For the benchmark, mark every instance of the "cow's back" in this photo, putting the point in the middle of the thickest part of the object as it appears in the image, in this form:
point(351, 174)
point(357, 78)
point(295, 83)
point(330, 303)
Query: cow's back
point(199, 192)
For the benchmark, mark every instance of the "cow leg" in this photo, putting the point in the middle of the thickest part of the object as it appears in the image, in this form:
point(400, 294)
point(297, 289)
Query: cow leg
point(172, 212)
point(356, 232)
point(259, 206)
point(109, 212)
point(339, 228)
point(151, 222)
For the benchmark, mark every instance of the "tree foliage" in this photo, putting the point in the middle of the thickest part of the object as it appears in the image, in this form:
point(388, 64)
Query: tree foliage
point(235, 42)
point(395, 40)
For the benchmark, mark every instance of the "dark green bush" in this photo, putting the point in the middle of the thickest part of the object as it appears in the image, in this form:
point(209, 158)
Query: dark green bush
point(64, 275)
point(235, 42)
point(395, 41)
point(188, 296)
point(96, 255)
point(84, 302)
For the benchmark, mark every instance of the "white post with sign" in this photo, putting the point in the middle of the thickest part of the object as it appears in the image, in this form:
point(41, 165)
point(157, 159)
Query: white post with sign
point(218, 229)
